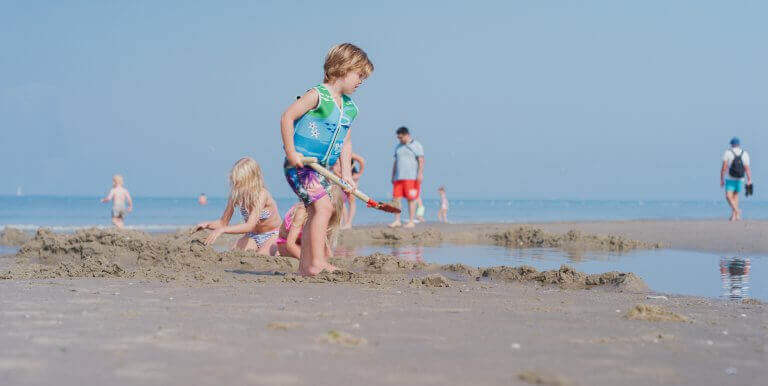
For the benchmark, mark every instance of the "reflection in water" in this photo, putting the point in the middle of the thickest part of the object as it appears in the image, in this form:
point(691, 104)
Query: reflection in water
point(734, 273)
point(409, 252)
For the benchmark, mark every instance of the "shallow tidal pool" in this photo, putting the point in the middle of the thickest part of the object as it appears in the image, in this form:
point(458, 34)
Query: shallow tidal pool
point(664, 270)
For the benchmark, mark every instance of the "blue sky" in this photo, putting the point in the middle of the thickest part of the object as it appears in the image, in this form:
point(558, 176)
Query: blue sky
point(536, 99)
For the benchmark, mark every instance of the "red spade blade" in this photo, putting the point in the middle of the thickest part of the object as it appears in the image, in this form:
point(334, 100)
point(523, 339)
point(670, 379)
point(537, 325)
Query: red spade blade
point(382, 206)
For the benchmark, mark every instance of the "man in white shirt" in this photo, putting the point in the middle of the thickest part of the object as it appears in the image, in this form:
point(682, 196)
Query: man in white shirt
point(735, 167)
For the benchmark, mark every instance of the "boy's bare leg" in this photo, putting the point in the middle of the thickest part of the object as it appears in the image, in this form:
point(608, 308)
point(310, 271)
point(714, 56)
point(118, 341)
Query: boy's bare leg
point(118, 222)
point(736, 205)
point(313, 238)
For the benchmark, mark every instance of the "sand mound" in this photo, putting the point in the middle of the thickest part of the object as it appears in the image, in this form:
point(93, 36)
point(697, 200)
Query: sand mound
point(528, 237)
point(653, 313)
point(567, 277)
point(435, 280)
point(14, 237)
point(381, 263)
point(183, 257)
point(126, 253)
point(460, 269)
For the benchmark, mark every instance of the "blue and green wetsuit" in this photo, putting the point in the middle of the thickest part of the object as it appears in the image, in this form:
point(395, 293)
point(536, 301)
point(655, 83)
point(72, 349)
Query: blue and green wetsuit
point(319, 133)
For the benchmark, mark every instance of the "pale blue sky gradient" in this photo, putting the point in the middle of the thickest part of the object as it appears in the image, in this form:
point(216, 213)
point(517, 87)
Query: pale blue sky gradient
point(535, 99)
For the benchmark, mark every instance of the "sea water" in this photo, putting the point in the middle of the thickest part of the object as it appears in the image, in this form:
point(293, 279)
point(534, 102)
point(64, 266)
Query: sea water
point(171, 213)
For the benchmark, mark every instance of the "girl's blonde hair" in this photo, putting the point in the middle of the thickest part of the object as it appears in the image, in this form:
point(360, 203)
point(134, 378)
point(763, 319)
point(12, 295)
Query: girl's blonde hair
point(246, 183)
point(118, 179)
point(345, 58)
point(334, 223)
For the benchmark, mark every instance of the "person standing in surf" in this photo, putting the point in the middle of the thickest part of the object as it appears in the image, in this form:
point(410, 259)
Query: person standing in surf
point(122, 203)
point(318, 125)
point(407, 174)
point(735, 167)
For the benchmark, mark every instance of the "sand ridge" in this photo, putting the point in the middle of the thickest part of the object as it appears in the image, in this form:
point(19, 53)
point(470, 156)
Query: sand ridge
point(182, 257)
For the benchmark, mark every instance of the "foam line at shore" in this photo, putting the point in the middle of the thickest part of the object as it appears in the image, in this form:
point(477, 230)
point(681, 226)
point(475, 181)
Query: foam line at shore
point(72, 228)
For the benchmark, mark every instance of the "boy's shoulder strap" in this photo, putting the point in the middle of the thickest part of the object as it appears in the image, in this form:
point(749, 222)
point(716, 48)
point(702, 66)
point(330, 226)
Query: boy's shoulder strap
point(323, 91)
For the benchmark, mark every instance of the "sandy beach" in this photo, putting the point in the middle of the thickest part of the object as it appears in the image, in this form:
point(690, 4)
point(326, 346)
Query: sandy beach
point(103, 306)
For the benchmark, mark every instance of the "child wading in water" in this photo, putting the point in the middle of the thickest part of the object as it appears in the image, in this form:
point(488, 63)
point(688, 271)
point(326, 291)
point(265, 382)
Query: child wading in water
point(258, 208)
point(317, 125)
point(289, 238)
point(119, 197)
point(442, 214)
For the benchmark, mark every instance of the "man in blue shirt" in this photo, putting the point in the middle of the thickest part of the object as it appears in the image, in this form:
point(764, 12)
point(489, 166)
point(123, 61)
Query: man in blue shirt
point(407, 173)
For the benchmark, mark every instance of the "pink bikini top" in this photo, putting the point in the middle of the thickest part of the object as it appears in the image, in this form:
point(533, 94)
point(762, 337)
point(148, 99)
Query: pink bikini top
point(288, 222)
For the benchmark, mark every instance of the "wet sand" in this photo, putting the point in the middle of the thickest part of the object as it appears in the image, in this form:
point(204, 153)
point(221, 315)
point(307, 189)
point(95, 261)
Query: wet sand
point(101, 331)
point(108, 307)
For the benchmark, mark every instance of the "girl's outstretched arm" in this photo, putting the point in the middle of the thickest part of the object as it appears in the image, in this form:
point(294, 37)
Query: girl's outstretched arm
point(307, 102)
point(226, 216)
point(245, 227)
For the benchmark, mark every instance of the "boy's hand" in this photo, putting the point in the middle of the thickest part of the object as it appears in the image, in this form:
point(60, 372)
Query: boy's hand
point(294, 159)
point(201, 226)
point(130, 209)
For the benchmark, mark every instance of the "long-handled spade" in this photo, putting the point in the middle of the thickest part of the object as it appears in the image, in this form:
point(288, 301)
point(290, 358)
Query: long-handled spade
point(312, 162)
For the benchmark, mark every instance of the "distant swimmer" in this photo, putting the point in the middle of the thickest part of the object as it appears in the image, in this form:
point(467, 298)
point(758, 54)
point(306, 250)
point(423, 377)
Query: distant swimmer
point(442, 214)
point(121, 201)
point(407, 174)
point(735, 167)
point(203, 199)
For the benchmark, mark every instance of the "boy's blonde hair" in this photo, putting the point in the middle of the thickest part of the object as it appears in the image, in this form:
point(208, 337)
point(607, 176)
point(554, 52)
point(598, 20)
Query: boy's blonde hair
point(118, 179)
point(345, 58)
point(246, 183)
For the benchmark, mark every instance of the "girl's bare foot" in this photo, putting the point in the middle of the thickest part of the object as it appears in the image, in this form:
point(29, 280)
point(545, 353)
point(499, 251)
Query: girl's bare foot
point(395, 224)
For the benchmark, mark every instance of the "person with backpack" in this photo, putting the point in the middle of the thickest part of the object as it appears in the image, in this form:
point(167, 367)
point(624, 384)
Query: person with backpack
point(735, 168)
point(407, 174)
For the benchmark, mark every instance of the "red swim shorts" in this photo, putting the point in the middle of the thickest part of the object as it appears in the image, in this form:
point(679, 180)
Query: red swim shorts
point(406, 188)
